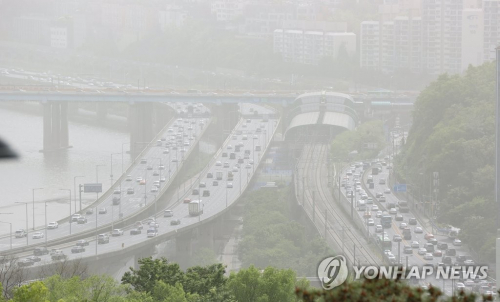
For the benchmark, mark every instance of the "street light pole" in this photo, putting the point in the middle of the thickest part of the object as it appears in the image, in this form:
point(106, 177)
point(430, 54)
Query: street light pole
point(34, 207)
point(46, 223)
point(74, 192)
point(97, 175)
point(111, 174)
point(70, 220)
point(26, 219)
point(123, 144)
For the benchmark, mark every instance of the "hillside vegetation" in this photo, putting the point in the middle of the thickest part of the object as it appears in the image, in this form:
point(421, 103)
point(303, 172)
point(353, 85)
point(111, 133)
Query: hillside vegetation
point(453, 133)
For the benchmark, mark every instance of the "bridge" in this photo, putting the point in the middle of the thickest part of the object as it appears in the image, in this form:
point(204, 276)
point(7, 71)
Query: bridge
point(253, 133)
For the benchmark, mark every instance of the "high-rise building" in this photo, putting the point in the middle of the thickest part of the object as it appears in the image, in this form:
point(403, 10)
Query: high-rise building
point(491, 11)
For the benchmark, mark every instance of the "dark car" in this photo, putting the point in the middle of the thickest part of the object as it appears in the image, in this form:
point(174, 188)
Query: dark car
point(210, 175)
point(39, 251)
point(412, 221)
point(195, 192)
point(442, 246)
point(461, 258)
point(396, 238)
point(447, 260)
point(451, 252)
point(175, 222)
point(82, 242)
point(407, 249)
point(77, 249)
point(135, 231)
point(206, 193)
point(25, 262)
point(203, 185)
point(215, 183)
point(399, 217)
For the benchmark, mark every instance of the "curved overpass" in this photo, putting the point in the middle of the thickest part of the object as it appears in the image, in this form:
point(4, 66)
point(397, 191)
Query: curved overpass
point(324, 112)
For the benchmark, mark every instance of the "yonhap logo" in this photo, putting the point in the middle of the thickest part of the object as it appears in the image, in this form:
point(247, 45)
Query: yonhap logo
point(332, 272)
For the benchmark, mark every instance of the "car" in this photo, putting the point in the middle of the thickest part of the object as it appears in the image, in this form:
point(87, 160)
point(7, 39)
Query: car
point(130, 191)
point(154, 224)
point(398, 217)
point(138, 225)
point(226, 165)
point(387, 191)
point(25, 262)
point(166, 151)
point(418, 230)
point(187, 200)
point(117, 232)
point(397, 238)
point(58, 255)
point(203, 185)
point(82, 242)
point(428, 236)
point(437, 253)
point(460, 286)
point(367, 214)
point(89, 211)
point(103, 211)
point(433, 241)
point(154, 189)
point(218, 163)
point(428, 256)
point(168, 213)
point(374, 207)
point(393, 211)
point(442, 246)
point(117, 192)
point(142, 183)
point(412, 221)
point(379, 228)
point(144, 161)
point(152, 232)
point(378, 194)
point(371, 222)
point(102, 239)
point(415, 244)
point(52, 225)
point(210, 175)
point(138, 179)
point(407, 249)
point(378, 214)
point(82, 220)
point(422, 251)
point(195, 192)
point(41, 250)
point(402, 225)
point(34, 258)
point(135, 231)
point(156, 173)
point(38, 235)
point(175, 222)
point(381, 199)
point(457, 242)
point(469, 283)
point(229, 185)
point(150, 167)
point(469, 262)
point(74, 217)
point(77, 249)
point(451, 252)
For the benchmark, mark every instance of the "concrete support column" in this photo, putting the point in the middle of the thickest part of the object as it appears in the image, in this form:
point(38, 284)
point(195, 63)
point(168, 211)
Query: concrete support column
point(207, 235)
point(64, 134)
point(47, 126)
point(183, 246)
point(55, 126)
point(142, 120)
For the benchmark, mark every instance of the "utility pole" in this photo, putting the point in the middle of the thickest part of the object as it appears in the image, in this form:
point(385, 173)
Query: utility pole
point(314, 206)
point(326, 222)
point(399, 252)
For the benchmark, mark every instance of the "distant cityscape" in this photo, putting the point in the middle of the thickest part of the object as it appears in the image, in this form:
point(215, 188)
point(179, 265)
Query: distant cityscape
point(417, 36)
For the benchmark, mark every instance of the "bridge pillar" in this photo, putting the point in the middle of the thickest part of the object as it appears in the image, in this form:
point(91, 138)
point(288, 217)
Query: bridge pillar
point(142, 120)
point(183, 246)
point(206, 233)
point(55, 126)
point(147, 250)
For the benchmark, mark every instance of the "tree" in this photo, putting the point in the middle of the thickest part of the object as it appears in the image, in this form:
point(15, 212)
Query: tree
point(33, 292)
point(201, 279)
point(144, 279)
point(163, 292)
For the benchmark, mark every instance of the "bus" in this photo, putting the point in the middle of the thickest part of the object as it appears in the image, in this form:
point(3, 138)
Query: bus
point(386, 221)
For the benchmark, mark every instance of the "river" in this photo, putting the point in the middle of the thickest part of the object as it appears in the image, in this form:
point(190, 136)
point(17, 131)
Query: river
point(92, 145)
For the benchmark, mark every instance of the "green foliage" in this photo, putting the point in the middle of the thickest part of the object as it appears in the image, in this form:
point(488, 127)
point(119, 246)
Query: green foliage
point(453, 134)
point(348, 141)
point(272, 238)
point(272, 284)
point(33, 292)
point(144, 279)
point(379, 290)
point(204, 257)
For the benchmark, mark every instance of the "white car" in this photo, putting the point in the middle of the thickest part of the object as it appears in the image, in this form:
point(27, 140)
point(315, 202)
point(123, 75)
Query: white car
point(53, 225)
point(418, 230)
point(374, 207)
point(117, 232)
point(457, 242)
point(428, 256)
point(38, 235)
point(415, 244)
point(378, 214)
point(378, 228)
point(371, 221)
point(422, 251)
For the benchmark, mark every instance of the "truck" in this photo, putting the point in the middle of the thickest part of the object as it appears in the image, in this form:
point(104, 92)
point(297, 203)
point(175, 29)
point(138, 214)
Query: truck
point(375, 171)
point(407, 233)
point(229, 176)
point(386, 221)
point(218, 175)
point(196, 207)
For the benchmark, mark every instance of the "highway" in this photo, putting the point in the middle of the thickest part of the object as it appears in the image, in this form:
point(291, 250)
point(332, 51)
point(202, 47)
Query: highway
point(222, 195)
point(176, 143)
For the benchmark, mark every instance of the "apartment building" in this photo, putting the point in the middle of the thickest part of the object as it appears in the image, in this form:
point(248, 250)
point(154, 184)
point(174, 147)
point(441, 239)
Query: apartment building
point(309, 47)
point(447, 36)
point(227, 10)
